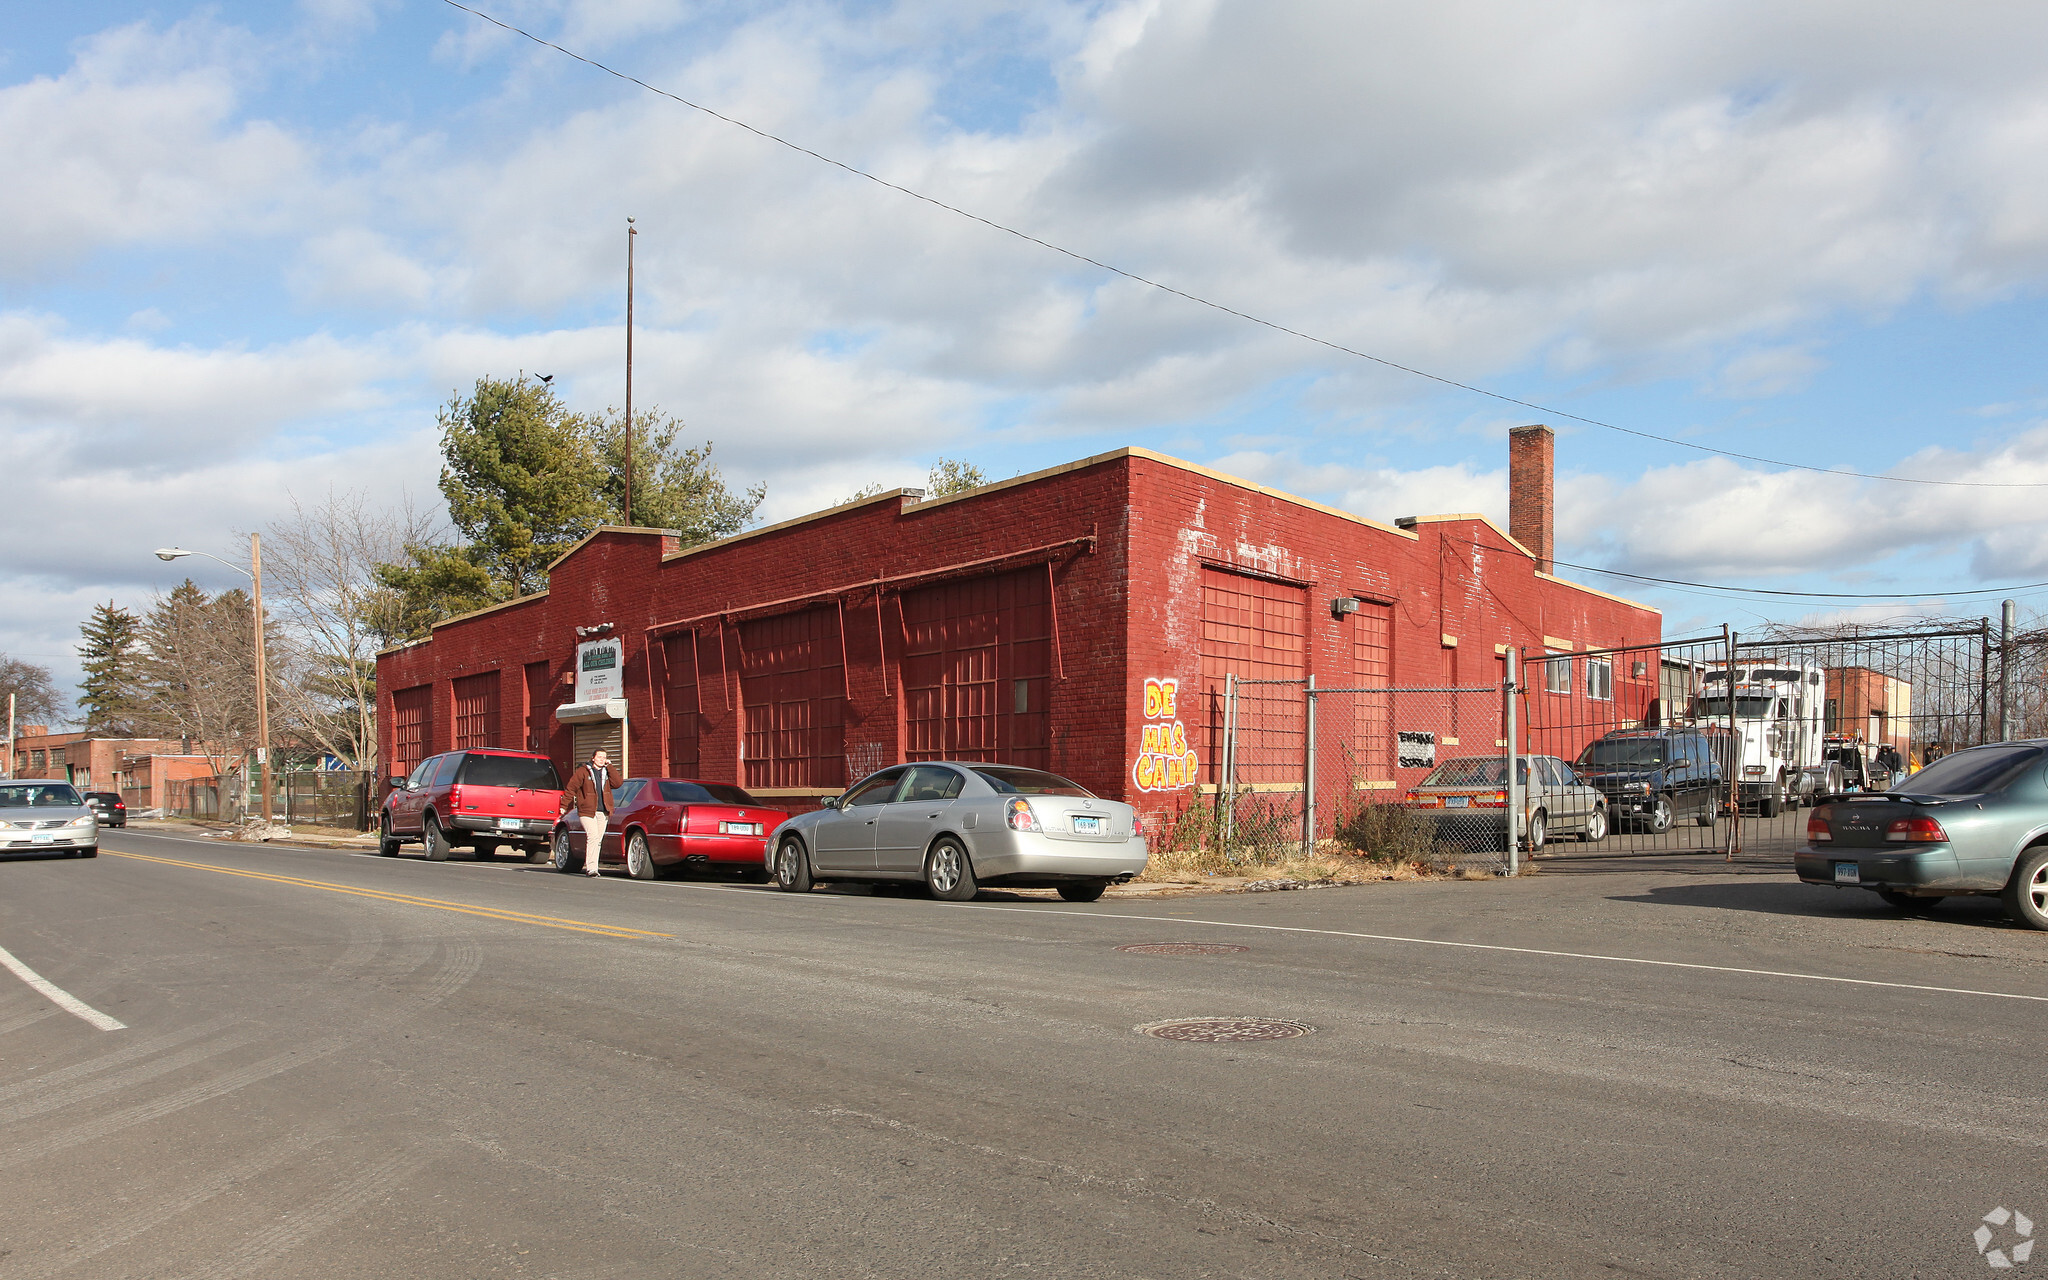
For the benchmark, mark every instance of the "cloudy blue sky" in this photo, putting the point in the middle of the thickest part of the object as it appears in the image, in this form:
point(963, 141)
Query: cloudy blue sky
point(250, 247)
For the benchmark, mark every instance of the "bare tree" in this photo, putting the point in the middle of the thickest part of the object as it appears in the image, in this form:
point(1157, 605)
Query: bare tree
point(321, 587)
point(199, 672)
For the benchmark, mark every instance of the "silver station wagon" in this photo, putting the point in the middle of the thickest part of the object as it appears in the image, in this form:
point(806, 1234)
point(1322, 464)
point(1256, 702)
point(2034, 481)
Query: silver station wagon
point(960, 826)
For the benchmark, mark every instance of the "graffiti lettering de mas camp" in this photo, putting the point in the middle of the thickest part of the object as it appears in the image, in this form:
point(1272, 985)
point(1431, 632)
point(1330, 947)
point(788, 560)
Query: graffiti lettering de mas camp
point(1165, 761)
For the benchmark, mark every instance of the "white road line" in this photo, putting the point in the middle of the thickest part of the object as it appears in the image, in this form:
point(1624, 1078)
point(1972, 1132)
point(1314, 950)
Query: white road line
point(59, 996)
point(1525, 951)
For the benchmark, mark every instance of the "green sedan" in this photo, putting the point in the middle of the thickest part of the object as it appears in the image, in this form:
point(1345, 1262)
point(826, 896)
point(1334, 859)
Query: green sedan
point(1975, 822)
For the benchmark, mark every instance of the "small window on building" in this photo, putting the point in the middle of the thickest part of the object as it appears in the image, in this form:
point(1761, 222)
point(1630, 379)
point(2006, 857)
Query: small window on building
point(1831, 716)
point(1600, 678)
point(1557, 675)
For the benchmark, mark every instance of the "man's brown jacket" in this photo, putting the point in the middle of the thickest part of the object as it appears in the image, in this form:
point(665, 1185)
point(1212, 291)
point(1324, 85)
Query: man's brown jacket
point(582, 793)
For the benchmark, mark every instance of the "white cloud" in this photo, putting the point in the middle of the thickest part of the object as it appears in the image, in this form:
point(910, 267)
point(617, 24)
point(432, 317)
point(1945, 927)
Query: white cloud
point(137, 144)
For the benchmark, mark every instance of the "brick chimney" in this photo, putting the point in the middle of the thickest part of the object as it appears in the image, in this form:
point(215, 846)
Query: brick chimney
point(1531, 514)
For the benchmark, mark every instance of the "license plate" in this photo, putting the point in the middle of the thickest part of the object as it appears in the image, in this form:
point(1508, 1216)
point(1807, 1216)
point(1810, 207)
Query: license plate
point(1457, 802)
point(1088, 826)
point(511, 824)
point(1848, 873)
point(41, 838)
point(739, 828)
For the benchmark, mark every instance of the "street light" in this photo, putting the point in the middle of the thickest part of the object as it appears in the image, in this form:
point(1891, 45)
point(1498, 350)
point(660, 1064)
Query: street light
point(254, 573)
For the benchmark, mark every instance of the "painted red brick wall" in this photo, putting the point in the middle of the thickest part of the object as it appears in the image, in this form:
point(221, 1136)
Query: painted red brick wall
point(1128, 610)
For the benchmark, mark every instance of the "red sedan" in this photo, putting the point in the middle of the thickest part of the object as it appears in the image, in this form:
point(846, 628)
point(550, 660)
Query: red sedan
point(676, 822)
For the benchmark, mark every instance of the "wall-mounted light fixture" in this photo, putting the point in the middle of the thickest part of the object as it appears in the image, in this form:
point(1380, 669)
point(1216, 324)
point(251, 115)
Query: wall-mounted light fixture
point(602, 628)
point(1343, 605)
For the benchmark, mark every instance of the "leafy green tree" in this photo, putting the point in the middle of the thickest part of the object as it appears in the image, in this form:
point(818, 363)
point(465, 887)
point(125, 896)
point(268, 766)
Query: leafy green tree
point(673, 487)
point(525, 479)
point(112, 688)
point(950, 476)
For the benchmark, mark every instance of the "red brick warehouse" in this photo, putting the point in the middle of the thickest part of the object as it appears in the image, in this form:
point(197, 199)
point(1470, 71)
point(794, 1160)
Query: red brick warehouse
point(1079, 619)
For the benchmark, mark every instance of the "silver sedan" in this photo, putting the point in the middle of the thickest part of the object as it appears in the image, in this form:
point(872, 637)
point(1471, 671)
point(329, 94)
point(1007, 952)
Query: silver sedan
point(958, 826)
point(47, 816)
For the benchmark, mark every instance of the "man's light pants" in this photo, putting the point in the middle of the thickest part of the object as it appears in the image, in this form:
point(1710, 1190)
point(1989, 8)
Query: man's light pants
point(593, 840)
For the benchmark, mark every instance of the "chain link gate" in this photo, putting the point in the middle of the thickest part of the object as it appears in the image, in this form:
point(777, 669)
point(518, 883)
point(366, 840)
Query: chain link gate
point(1636, 726)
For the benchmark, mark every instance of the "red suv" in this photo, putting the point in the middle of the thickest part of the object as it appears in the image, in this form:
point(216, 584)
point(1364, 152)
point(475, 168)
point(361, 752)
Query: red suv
point(481, 798)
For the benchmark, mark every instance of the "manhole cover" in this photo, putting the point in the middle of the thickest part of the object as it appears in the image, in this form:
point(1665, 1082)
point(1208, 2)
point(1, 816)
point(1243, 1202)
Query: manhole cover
point(1220, 1030)
point(1183, 948)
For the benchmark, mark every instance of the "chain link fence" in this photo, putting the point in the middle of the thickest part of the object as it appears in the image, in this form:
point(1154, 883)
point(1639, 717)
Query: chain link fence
point(1704, 745)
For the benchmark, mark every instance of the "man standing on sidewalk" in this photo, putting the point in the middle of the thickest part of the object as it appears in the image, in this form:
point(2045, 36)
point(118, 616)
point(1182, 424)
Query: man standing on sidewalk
point(593, 795)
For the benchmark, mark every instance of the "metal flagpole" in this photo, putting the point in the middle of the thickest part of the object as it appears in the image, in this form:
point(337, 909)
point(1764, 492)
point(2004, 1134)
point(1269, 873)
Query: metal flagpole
point(626, 515)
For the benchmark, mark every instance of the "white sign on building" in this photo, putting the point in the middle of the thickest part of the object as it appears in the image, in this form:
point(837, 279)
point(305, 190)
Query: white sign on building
point(600, 670)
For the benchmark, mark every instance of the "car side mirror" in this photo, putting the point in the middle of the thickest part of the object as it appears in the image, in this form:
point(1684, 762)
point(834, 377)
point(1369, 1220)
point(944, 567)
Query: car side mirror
point(397, 784)
point(829, 802)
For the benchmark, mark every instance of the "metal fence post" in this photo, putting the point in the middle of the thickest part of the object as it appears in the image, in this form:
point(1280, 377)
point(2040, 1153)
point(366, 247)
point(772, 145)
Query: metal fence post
point(2008, 614)
point(1308, 787)
point(1734, 763)
point(1228, 798)
point(1514, 785)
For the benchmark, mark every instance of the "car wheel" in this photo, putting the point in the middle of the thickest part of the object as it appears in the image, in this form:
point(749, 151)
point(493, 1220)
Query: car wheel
point(2026, 894)
point(387, 843)
point(1538, 832)
point(639, 858)
point(1659, 820)
point(1711, 816)
point(1907, 901)
point(1596, 827)
point(538, 853)
point(434, 839)
point(948, 872)
point(792, 866)
point(1769, 806)
point(565, 854)
point(1083, 890)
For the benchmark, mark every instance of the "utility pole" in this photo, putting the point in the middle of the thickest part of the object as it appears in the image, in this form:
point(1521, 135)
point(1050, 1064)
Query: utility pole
point(262, 682)
point(626, 516)
point(10, 735)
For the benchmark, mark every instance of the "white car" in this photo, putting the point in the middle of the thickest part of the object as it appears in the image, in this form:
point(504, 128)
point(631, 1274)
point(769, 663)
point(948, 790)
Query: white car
point(959, 826)
point(47, 816)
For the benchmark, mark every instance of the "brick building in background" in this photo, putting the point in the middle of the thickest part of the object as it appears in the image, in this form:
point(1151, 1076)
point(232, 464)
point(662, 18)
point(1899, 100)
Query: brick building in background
point(138, 768)
point(1061, 619)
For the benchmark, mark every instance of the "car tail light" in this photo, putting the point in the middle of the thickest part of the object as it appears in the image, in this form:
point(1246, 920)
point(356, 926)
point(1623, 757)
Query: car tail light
point(1818, 831)
point(1018, 814)
point(1916, 831)
point(455, 797)
point(1498, 800)
point(120, 804)
point(1424, 802)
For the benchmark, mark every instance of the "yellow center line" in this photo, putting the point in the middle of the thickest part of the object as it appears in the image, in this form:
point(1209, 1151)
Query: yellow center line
point(411, 900)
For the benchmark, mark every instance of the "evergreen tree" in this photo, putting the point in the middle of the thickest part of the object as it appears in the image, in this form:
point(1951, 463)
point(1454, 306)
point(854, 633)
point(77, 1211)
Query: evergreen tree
point(112, 688)
point(525, 479)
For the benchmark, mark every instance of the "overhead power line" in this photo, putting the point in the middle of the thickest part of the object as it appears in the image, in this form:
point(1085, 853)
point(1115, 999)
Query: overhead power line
point(1246, 316)
point(1807, 595)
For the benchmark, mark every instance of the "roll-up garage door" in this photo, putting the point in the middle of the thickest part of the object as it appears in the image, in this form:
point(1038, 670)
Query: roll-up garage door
point(1255, 629)
point(976, 670)
point(608, 736)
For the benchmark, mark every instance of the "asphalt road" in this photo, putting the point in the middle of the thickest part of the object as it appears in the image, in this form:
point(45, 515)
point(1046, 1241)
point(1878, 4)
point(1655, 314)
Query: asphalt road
point(342, 1066)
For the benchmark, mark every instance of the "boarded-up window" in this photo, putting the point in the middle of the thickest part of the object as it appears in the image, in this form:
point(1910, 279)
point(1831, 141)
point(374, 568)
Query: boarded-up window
point(792, 686)
point(1256, 630)
point(679, 654)
point(476, 710)
point(977, 670)
point(540, 705)
point(412, 715)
